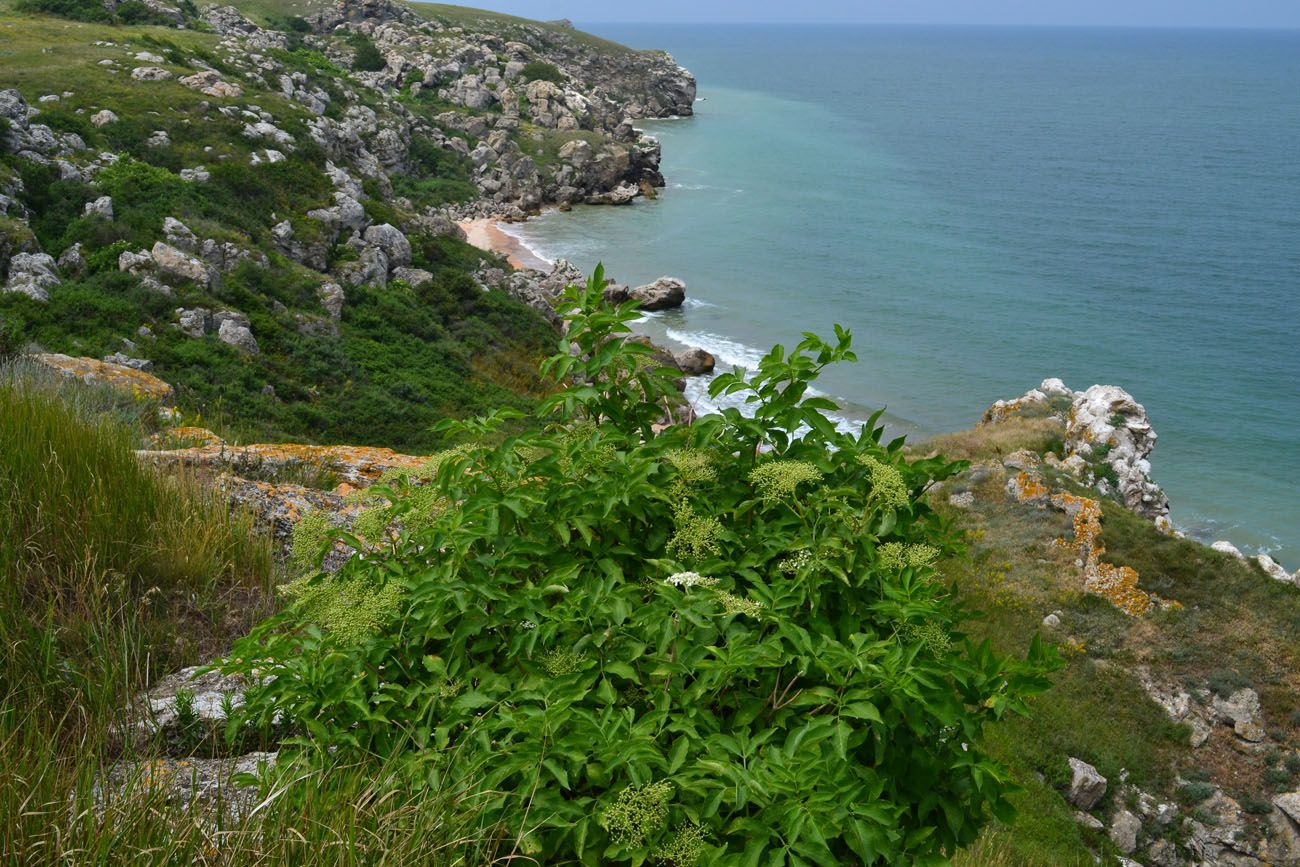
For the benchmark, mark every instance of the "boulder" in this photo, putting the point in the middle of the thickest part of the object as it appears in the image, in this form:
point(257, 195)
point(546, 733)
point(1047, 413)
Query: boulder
point(663, 294)
point(179, 235)
point(118, 376)
point(150, 73)
point(1087, 787)
point(102, 207)
point(194, 322)
point(210, 82)
point(71, 261)
point(32, 274)
point(103, 117)
point(1242, 710)
point(694, 361)
point(1021, 460)
point(1124, 831)
point(332, 298)
point(238, 336)
point(174, 263)
point(1225, 547)
point(1274, 570)
point(391, 240)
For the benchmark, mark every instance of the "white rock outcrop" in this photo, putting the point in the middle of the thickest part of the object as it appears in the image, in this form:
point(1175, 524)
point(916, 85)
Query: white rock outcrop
point(1107, 424)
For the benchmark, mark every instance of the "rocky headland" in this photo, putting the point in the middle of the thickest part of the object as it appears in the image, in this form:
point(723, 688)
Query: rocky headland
point(395, 136)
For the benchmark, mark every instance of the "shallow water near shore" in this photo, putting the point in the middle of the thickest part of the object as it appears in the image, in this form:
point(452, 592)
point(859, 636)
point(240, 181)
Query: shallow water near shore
point(985, 208)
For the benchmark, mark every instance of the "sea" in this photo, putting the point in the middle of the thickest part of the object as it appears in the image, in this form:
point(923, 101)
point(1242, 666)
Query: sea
point(985, 208)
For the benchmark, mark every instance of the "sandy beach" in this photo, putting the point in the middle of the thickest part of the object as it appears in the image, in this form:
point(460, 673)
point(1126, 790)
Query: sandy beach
point(486, 235)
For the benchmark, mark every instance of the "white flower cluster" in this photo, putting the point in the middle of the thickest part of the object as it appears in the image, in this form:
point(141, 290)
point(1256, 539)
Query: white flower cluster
point(690, 579)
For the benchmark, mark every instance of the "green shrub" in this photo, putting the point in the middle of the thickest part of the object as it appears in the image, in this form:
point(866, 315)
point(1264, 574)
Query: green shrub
point(91, 11)
point(540, 70)
point(724, 642)
point(367, 57)
point(1195, 792)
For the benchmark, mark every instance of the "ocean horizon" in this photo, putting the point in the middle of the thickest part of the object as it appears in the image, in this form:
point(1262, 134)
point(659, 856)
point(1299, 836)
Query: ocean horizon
point(985, 208)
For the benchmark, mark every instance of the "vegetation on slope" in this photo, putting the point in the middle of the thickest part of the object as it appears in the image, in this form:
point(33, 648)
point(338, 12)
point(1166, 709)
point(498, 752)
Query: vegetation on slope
point(109, 573)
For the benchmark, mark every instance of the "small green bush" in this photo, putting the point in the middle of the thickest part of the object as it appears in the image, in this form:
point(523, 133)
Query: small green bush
point(1195, 792)
point(367, 57)
point(540, 70)
point(723, 643)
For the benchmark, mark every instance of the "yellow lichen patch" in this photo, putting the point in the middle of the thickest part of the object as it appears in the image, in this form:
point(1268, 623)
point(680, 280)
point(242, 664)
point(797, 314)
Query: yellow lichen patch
point(1119, 584)
point(1028, 487)
point(358, 465)
point(128, 379)
point(1005, 410)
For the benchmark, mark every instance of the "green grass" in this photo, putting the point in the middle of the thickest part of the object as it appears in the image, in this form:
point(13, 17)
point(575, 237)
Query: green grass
point(111, 573)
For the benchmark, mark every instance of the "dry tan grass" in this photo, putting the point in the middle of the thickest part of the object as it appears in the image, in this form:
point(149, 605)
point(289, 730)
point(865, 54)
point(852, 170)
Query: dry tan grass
point(994, 440)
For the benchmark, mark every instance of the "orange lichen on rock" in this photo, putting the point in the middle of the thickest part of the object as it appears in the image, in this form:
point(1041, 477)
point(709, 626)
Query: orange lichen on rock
point(116, 375)
point(359, 465)
point(1119, 584)
point(1008, 409)
point(280, 506)
point(1028, 486)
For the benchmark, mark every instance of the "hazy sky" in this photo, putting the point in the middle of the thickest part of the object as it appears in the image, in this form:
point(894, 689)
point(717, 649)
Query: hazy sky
point(1141, 13)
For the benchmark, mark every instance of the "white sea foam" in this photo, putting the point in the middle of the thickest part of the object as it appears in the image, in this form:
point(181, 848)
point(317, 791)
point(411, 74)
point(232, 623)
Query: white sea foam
point(731, 354)
point(532, 245)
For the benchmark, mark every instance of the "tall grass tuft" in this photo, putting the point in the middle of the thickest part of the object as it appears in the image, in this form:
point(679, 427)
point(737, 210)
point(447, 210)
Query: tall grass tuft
point(110, 574)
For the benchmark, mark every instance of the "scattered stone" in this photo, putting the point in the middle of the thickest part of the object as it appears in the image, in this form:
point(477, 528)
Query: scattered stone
point(1088, 820)
point(210, 82)
point(1021, 460)
point(1051, 621)
point(126, 361)
point(103, 117)
point(1087, 786)
point(1225, 547)
point(159, 139)
point(1124, 831)
point(150, 73)
point(1274, 570)
point(962, 500)
point(1242, 709)
point(238, 335)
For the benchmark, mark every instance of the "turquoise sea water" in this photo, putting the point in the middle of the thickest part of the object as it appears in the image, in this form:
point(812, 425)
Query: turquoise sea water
point(986, 208)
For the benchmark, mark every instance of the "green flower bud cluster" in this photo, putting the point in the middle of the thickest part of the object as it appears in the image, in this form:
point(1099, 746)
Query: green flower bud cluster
point(638, 812)
point(933, 634)
point(561, 661)
point(897, 556)
point(777, 480)
point(682, 849)
point(886, 482)
point(351, 610)
point(695, 536)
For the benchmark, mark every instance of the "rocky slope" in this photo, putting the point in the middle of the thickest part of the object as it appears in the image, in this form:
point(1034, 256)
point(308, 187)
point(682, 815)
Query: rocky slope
point(262, 204)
